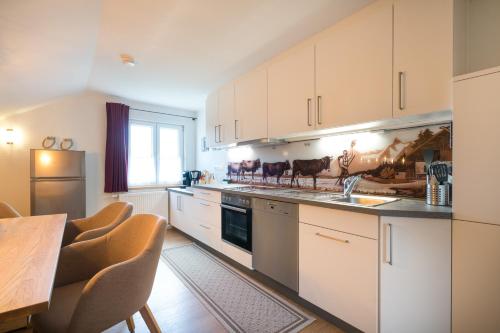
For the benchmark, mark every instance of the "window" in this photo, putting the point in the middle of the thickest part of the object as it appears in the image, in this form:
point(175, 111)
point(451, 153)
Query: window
point(156, 153)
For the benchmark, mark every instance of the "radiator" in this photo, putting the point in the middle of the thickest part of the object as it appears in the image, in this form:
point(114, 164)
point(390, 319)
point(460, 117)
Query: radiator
point(147, 202)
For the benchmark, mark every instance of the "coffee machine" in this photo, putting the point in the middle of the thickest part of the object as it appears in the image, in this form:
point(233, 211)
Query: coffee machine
point(191, 177)
point(195, 176)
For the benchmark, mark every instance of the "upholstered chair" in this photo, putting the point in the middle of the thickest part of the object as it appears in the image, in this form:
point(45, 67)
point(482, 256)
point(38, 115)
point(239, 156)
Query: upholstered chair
point(105, 280)
point(97, 225)
point(7, 211)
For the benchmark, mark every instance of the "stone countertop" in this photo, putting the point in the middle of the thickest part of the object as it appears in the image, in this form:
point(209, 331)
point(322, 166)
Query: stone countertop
point(215, 187)
point(187, 191)
point(401, 208)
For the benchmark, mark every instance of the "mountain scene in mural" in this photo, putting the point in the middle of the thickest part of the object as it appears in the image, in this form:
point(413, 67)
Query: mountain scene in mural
point(389, 162)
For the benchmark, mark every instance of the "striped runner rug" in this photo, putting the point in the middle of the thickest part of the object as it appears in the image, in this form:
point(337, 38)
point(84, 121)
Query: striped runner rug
point(237, 301)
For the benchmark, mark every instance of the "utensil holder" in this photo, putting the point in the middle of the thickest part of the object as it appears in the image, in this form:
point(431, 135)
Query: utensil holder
point(438, 195)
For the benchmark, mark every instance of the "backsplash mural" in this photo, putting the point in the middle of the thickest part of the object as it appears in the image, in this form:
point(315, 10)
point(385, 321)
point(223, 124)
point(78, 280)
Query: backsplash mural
point(389, 162)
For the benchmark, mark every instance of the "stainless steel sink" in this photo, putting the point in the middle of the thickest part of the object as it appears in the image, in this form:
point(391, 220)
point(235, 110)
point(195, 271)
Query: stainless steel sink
point(364, 200)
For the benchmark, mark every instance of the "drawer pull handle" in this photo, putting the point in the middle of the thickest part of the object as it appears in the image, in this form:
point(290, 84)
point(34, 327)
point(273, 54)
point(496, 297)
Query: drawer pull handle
point(320, 121)
point(204, 204)
point(204, 226)
point(204, 193)
point(402, 91)
point(388, 243)
point(332, 238)
point(309, 121)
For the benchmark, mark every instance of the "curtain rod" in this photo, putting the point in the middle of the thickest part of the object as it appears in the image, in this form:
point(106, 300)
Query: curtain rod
point(166, 114)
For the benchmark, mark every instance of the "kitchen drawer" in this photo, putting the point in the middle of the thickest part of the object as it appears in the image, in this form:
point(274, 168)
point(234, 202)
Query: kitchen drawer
point(209, 235)
point(206, 212)
point(240, 256)
point(338, 272)
point(354, 223)
point(213, 196)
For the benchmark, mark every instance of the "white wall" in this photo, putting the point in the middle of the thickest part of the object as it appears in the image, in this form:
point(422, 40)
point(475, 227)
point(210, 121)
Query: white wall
point(83, 118)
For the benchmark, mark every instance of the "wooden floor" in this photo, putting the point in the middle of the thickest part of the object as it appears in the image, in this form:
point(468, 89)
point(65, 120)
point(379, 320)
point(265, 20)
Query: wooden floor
point(177, 310)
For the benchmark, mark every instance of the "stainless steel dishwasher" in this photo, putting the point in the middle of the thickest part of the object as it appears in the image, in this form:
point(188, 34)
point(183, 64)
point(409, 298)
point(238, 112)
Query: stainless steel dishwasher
point(275, 234)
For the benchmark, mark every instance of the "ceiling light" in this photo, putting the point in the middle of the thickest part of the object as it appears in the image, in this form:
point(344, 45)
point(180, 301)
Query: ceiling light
point(127, 59)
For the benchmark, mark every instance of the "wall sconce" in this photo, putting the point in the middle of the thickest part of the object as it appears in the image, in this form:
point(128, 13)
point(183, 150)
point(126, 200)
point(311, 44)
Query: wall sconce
point(9, 136)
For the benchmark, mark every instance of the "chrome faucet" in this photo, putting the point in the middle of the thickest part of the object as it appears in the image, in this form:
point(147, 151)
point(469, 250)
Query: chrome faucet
point(349, 185)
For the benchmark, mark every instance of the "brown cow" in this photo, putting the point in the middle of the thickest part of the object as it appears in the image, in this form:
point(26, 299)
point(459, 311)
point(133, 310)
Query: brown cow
point(275, 169)
point(249, 166)
point(234, 168)
point(309, 168)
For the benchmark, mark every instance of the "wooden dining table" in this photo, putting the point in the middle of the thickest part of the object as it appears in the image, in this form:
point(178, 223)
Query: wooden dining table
point(29, 252)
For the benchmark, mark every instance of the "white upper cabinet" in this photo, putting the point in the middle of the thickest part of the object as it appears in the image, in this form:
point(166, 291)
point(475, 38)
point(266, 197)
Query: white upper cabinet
point(476, 155)
point(476, 38)
point(251, 106)
point(291, 92)
point(226, 115)
point(212, 119)
point(354, 69)
point(219, 121)
point(423, 56)
point(393, 58)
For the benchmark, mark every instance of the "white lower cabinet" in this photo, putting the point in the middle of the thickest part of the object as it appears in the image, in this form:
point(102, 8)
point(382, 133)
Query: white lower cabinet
point(415, 275)
point(338, 272)
point(207, 213)
point(476, 276)
point(197, 217)
point(207, 222)
point(242, 257)
point(179, 217)
point(209, 235)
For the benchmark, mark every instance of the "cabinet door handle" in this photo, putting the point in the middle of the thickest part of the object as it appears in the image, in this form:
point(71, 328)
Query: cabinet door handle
point(179, 203)
point(318, 107)
point(204, 226)
point(332, 238)
point(235, 129)
point(309, 122)
point(402, 90)
point(388, 243)
point(204, 204)
point(216, 136)
point(220, 134)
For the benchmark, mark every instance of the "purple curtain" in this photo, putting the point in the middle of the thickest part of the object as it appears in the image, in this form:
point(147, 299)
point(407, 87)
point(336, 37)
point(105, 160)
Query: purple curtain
point(115, 177)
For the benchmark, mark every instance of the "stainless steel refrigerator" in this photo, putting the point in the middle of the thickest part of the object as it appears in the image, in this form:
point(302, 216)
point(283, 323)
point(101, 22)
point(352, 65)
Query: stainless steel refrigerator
point(58, 182)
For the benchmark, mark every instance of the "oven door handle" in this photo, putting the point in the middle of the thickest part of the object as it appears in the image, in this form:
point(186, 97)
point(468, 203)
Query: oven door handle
point(236, 209)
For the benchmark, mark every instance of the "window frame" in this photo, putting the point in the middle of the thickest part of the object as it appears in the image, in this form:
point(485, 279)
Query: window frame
point(156, 144)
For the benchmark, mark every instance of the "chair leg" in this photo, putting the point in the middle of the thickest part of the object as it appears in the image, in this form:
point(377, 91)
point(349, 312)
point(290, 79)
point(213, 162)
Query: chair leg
point(131, 324)
point(150, 320)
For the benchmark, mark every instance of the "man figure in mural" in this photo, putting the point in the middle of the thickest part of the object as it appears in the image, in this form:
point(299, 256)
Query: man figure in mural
point(344, 162)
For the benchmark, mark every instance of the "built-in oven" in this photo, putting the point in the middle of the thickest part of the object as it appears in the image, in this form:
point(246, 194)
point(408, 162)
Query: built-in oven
point(237, 220)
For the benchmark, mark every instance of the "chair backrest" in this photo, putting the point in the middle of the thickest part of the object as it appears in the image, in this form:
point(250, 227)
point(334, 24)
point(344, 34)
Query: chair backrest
point(7, 211)
point(121, 289)
point(99, 224)
point(113, 213)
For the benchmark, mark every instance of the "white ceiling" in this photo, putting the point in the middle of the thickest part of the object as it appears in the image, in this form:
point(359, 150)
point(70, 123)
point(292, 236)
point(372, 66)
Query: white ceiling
point(183, 48)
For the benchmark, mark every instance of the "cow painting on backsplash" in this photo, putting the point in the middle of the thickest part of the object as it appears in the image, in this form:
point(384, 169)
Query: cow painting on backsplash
point(309, 168)
point(389, 162)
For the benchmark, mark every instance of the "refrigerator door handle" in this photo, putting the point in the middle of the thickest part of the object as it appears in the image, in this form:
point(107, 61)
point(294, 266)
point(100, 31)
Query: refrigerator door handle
point(56, 179)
